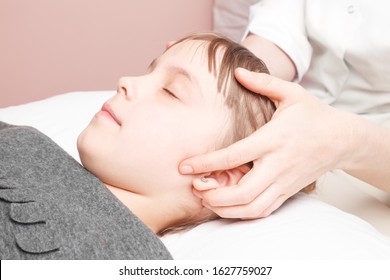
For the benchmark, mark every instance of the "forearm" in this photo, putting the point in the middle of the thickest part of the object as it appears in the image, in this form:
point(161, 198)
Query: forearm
point(278, 62)
point(370, 154)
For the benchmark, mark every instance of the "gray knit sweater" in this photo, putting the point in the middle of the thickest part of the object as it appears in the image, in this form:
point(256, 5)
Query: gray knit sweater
point(53, 208)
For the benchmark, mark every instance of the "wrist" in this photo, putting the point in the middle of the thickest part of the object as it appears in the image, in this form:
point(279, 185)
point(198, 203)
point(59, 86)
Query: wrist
point(350, 147)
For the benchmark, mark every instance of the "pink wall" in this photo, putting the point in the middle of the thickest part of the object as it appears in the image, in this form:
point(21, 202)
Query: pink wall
point(50, 47)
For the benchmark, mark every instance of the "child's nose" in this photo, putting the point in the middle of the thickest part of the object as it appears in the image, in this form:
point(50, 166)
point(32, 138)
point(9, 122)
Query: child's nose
point(126, 87)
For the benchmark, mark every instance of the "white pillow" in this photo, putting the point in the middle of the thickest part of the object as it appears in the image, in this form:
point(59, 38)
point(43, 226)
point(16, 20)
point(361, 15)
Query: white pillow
point(303, 228)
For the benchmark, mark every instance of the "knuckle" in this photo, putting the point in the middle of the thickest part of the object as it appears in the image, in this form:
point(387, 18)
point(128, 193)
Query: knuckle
point(254, 211)
point(233, 158)
point(265, 213)
point(203, 164)
point(245, 197)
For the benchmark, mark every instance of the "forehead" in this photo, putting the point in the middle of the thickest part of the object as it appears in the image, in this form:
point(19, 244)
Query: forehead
point(186, 54)
point(190, 57)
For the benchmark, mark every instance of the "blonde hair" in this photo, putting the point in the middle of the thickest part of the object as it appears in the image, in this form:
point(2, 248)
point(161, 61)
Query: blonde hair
point(249, 110)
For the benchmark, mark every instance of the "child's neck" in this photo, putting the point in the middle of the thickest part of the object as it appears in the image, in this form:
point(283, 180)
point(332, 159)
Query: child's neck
point(147, 209)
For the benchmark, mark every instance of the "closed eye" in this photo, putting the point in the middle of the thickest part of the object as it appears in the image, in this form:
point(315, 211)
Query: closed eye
point(170, 93)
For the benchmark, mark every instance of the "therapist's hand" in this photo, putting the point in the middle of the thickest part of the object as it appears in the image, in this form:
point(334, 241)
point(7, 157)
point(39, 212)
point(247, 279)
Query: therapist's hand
point(304, 139)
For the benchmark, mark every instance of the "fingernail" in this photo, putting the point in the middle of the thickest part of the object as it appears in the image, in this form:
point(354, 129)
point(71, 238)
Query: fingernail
point(186, 169)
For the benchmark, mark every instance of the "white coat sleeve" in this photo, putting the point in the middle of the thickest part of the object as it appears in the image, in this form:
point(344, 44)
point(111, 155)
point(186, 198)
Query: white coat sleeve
point(283, 23)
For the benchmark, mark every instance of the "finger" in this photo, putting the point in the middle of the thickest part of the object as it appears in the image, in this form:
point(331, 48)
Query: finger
point(197, 193)
point(270, 86)
point(244, 193)
point(265, 204)
point(274, 206)
point(237, 154)
point(234, 212)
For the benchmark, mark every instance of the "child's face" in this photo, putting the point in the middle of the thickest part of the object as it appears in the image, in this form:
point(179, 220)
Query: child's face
point(169, 114)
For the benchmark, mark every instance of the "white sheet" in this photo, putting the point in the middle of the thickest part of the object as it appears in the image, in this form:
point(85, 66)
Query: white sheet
point(304, 228)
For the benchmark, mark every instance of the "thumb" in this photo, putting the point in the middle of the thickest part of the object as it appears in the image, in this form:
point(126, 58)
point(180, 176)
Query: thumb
point(276, 89)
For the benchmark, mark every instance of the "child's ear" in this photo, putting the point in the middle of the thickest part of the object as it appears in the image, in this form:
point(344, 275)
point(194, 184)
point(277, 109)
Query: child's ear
point(221, 178)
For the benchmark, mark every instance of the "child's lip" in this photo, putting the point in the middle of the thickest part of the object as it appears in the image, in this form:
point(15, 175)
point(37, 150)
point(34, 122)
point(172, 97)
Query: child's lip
point(107, 108)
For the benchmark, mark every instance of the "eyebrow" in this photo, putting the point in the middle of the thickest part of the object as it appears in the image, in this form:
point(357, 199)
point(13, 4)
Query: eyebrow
point(177, 70)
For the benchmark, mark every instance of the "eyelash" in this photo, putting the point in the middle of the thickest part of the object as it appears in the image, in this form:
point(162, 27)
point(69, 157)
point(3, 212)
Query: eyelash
point(170, 93)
